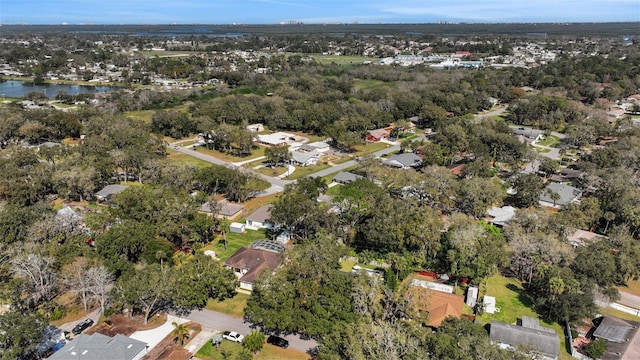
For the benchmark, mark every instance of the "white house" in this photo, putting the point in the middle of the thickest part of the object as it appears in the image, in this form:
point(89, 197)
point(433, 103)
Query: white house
point(259, 219)
point(304, 158)
point(237, 228)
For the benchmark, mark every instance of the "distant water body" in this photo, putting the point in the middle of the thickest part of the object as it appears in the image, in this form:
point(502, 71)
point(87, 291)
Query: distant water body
point(163, 33)
point(18, 89)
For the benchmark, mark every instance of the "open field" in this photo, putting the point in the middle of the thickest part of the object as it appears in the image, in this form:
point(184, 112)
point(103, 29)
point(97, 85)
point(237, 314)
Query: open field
point(179, 157)
point(257, 151)
point(369, 148)
point(234, 306)
point(368, 84)
point(342, 60)
point(302, 171)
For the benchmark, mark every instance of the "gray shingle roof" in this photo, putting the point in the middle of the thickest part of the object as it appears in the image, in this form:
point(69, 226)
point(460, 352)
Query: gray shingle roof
point(546, 342)
point(262, 214)
point(613, 329)
point(567, 193)
point(100, 347)
point(346, 177)
point(405, 159)
point(111, 190)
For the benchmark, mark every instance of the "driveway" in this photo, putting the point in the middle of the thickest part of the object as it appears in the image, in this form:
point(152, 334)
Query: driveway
point(94, 315)
point(223, 322)
point(154, 336)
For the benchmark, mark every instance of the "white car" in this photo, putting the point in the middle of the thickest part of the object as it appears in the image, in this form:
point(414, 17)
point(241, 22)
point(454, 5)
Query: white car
point(233, 336)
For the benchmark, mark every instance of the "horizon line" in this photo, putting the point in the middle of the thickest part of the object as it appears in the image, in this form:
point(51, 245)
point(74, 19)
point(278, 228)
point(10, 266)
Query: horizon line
point(302, 23)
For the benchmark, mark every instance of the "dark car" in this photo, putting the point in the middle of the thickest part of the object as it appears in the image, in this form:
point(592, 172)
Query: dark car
point(82, 326)
point(277, 341)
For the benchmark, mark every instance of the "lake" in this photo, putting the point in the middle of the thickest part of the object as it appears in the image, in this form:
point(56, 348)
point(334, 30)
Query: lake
point(18, 89)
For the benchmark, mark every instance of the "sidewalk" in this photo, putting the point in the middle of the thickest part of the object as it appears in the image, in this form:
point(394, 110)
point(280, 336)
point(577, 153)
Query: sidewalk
point(199, 340)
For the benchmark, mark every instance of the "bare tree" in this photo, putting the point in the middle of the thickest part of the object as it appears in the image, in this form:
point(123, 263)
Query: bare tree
point(39, 272)
point(77, 282)
point(100, 283)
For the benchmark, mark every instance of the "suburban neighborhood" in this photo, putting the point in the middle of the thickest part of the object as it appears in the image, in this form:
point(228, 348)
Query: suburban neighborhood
point(382, 194)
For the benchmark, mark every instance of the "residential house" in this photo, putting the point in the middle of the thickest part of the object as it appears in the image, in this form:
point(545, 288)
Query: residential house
point(259, 219)
point(304, 158)
point(248, 263)
point(584, 238)
point(622, 337)
point(101, 347)
point(500, 216)
point(345, 177)
point(377, 135)
point(108, 191)
point(530, 136)
point(437, 304)
point(223, 210)
point(276, 139)
point(320, 146)
point(255, 128)
point(404, 161)
point(526, 332)
point(564, 195)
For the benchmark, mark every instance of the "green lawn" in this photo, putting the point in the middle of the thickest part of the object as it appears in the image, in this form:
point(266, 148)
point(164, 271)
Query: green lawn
point(186, 159)
point(342, 60)
point(302, 171)
point(550, 140)
point(271, 171)
point(234, 306)
point(513, 304)
point(346, 266)
point(369, 148)
point(269, 352)
point(257, 151)
point(234, 242)
point(142, 115)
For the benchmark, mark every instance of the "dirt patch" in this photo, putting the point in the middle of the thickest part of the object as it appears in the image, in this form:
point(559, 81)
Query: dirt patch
point(168, 349)
point(126, 325)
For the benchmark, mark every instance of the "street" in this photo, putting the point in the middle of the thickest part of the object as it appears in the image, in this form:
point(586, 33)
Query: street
point(223, 322)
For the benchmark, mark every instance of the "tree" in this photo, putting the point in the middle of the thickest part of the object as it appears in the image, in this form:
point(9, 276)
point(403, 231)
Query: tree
point(199, 280)
point(148, 290)
point(254, 342)
point(180, 332)
point(596, 348)
point(528, 189)
point(100, 281)
point(609, 217)
point(277, 155)
point(40, 274)
point(21, 332)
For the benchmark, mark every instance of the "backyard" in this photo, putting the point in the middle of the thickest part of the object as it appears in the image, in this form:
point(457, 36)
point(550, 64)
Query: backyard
point(513, 304)
point(234, 242)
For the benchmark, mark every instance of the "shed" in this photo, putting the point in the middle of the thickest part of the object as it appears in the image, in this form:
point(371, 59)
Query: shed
point(237, 228)
point(472, 296)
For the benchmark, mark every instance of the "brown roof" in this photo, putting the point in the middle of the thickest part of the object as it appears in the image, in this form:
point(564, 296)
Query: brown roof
point(379, 133)
point(439, 305)
point(254, 260)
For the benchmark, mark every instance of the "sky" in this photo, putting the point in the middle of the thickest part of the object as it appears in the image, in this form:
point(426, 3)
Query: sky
point(313, 11)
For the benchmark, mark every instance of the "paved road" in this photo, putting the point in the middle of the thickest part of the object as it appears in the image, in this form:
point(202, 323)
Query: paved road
point(222, 322)
point(350, 163)
point(496, 112)
point(277, 185)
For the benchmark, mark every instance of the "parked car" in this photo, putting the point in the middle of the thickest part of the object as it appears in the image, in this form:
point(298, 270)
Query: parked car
point(233, 336)
point(277, 341)
point(82, 326)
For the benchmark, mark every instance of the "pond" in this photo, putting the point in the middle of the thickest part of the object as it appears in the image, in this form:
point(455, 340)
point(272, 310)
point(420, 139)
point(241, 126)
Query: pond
point(18, 89)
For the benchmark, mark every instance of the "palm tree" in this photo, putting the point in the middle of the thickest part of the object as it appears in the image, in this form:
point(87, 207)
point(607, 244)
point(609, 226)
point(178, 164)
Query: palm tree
point(224, 227)
point(180, 331)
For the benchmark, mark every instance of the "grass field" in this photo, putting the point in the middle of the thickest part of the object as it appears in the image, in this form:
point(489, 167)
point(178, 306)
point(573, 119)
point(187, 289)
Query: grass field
point(269, 352)
point(186, 159)
point(141, 115)
point(369, 148)
point(270, 171)
point(302, 171)
point(255, 152)
point(342, 60)
point(234, 242)
point(551, 141)
point(234, 306)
